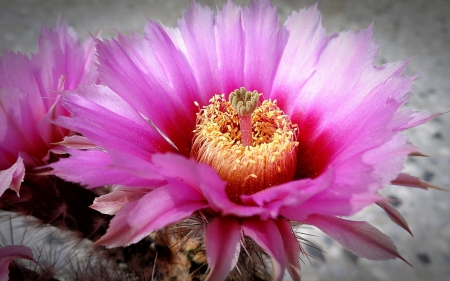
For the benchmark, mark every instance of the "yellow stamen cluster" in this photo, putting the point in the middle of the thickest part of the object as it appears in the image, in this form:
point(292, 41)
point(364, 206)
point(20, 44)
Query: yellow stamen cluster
point(269, 161)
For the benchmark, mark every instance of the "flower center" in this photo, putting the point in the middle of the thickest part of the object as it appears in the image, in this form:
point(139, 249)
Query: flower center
point(251, 147)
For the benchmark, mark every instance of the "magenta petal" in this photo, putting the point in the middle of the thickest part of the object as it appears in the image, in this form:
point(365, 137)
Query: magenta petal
point(16, 72)
point(119, 232)
point(18, 131)
point(268, 237)
point(155, 210)
point(197, 31)
point(50, 132)
point(359, 237)
point(164, 206)
point(332, 205)
point(372, 94)
point(131, 67)
point(12, 177)
point(4, 268)
point(96, 168)
point(388, 159)
point(110, 122)
point(351, 56)
point(230, 47)
point(61, 63)
point(168, 46)
point(291, 248)
point(173, 165)
point(413, 118)
point(76, 142)
point(395, 216)
point(8, 253)
point(30, 90)
point(112, 202)
point(289, 195)
point(307, 39)
point(222, 240)
point(19, 251)
point(411, 181)
point(264, 42)
point(353, 185)
point(61, 55)
point(219, 201)
point(204, 180)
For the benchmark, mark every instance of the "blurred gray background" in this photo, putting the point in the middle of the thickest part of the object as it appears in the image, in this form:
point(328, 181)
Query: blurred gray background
point(404, 29)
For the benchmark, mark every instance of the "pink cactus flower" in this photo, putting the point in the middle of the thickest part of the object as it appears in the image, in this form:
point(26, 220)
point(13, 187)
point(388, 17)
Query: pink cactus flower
point(29, 93)
point(248, 123)
point(8, 254)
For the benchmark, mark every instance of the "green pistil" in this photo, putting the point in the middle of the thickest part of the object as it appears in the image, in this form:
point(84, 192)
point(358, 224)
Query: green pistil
point(244, 103)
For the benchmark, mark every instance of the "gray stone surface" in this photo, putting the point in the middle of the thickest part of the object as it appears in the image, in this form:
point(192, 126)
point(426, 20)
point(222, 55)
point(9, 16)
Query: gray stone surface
point(403, 28)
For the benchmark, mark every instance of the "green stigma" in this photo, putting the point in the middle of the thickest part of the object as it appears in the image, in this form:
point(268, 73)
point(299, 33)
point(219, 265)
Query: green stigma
point(244, 102)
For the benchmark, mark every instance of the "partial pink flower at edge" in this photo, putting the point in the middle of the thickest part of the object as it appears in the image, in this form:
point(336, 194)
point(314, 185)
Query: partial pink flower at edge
point(29, 94)
point(8, 254)
point(347, 114)
point(12, 177)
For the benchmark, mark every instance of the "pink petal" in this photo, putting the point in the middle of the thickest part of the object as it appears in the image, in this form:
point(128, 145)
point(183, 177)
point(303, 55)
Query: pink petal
point(173, 165)
point(332, 204)
point(264, 41)
point(131, 67)
point(359, 237)
point(395, 215)
point(62, 54)
point(176, 67)
point(30, 91)
point(289, 195)
point(110, 122)
point(4, 268)
point(230, 43)
point(197, 31)
point(12, 177)
point(112, 202)
point(18, 251)
point(268, 237)
point(352, 56)
point(341, 190)
point(291, 248)
point(7, 255)
point(48, 131)
point(155, 210)
point(76, 142)
point(350, 191)
point(411, 181)
point(219, 201)
point(372, 94)
point(204, 180)
point(119, 232)
point(415, 118)
point(222, 240)
point(307, 39)
point(16, 72)
point(96, 168)
point(61, 63)
point(164, 206)
point(388, 159)
point(18, 131)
